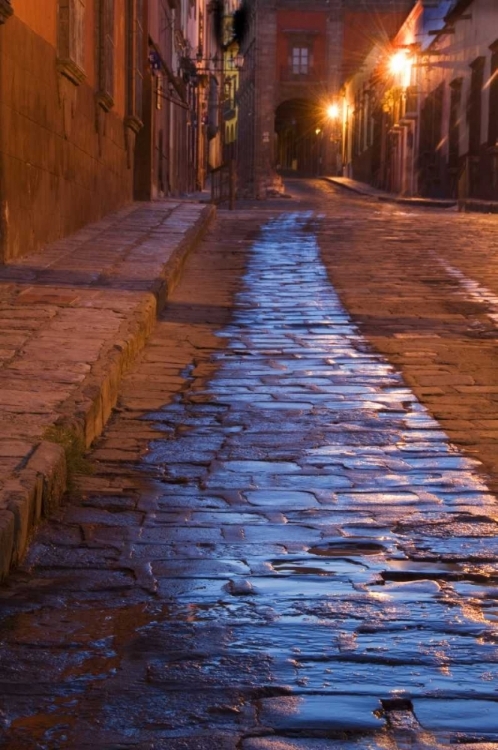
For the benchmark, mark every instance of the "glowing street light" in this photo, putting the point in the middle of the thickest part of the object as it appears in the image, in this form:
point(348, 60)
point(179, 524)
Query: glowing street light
point(333, 111)
point(397, 63)
point(400, 66)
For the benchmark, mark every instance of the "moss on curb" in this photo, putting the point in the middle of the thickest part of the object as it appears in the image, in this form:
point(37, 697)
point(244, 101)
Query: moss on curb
point(74, 449)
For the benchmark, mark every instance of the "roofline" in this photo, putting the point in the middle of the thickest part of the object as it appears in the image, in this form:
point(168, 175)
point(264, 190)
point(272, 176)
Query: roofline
point(414, 13)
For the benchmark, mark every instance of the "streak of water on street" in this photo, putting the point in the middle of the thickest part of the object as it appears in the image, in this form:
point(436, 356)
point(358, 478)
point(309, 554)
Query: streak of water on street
point(316, 563)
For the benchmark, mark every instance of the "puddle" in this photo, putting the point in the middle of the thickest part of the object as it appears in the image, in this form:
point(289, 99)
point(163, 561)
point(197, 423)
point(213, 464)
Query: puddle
point(342, 548)
point(305, 566)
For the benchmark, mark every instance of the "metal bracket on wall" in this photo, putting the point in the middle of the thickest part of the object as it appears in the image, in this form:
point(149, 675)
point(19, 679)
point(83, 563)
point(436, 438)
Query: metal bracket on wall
point(6, 10)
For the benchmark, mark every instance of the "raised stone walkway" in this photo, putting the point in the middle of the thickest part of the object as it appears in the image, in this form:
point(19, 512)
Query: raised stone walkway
point(73, 317)
point(362, 188)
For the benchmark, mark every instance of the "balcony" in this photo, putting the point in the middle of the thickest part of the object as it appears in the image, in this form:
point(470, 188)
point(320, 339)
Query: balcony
point(288, 74)
point(411, 102)
point(229, 110)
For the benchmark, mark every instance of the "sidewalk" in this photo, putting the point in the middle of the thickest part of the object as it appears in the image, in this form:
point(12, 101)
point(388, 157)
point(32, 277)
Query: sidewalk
point(73, 317)
point(363, 188)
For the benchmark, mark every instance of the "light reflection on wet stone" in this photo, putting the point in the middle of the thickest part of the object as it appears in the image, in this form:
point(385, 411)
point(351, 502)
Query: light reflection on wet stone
point(408, 474)
point(302, 553)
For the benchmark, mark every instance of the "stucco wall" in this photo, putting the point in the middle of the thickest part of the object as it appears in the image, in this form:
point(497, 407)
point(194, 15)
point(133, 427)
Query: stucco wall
point(473, 35)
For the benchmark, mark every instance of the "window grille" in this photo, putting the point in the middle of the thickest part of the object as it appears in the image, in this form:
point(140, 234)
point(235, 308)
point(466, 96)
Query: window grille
point(300, 60)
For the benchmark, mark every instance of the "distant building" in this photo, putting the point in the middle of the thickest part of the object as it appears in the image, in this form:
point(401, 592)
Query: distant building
point(296, 57)
point(458, 95)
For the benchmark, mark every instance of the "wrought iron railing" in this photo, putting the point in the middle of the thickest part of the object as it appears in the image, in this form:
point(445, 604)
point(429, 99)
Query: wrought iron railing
point(223, 184)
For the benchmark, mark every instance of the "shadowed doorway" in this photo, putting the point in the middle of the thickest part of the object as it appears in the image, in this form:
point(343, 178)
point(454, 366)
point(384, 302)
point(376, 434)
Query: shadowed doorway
point(299, 138)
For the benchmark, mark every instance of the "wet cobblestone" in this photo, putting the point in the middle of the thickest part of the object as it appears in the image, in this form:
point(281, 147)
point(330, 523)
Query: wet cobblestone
point(300, 560)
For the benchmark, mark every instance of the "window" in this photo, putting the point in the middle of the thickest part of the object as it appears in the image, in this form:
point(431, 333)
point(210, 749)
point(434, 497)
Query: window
point(105, 50)
point(134, 63)
point(300, 60)
point(70, 39)
point(430, 141)
point(493, 98)
point(474, 105)
point(5, 10)
point(454, 125)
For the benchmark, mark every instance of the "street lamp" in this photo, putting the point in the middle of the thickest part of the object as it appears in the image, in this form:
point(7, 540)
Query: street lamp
point(333, 111)
point(400, 66)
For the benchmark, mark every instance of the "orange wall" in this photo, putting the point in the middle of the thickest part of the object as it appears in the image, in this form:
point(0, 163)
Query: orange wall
point(40, 16)
point(64, 162)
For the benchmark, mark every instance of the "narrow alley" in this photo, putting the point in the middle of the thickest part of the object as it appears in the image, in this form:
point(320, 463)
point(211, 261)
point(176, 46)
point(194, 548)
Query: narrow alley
point(286, 538)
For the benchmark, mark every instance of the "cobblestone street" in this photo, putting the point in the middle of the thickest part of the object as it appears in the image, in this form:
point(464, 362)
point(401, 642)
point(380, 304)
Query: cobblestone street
point(286, 538)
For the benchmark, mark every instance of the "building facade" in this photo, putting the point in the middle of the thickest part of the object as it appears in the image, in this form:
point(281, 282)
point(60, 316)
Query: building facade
point(101, 102)
point(70, 108)
point(458, 103)
point(296, 56)
point(291, 70)
point(421, 116)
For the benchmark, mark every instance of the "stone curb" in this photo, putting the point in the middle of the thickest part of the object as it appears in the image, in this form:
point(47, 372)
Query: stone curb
point(418, 202)
point(387, 198)
point(478, 206)
point(368, 192)
point(37, 488)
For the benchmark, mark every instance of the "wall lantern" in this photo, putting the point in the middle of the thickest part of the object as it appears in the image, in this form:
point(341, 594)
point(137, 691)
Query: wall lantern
point(400, 66)
point(333, 111)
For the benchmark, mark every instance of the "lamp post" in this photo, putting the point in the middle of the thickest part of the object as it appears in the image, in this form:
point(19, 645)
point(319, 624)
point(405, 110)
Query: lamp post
point(333, 113)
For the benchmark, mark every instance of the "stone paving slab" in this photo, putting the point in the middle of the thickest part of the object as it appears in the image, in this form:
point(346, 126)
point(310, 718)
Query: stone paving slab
point(236, 577)
point(73, 317)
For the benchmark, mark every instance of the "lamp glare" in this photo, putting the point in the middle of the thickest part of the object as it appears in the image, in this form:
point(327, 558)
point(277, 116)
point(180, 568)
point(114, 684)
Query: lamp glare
point(333, 111)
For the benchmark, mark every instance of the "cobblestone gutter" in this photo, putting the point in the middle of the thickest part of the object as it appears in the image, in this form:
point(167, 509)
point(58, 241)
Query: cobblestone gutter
point(72, 320)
